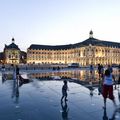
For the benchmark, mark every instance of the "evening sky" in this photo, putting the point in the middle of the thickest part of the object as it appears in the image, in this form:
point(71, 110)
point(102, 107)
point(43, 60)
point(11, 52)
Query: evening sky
point(58, 22)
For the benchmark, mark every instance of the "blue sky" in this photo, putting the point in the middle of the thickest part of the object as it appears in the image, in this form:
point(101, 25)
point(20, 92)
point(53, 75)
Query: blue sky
point(58, 22)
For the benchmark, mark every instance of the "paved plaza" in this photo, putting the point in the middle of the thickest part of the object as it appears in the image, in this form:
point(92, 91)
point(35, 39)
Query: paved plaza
point(41, 100)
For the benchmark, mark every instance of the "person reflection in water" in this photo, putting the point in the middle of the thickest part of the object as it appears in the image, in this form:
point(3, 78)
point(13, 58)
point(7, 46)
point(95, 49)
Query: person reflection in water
point(105, 117)
point(3, 73)
point(119, 96)
point(64, 91)
point(17, 72)
point(113, 117)
point(3, 77)
point(64, 110)
point(15, 92)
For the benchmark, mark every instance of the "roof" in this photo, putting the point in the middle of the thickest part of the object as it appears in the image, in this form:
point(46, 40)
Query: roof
point(12, 46)
point(92, 41)
point(50, 47)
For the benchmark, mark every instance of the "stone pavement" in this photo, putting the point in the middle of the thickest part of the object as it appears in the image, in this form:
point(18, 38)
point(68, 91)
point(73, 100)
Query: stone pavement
point(40, 100)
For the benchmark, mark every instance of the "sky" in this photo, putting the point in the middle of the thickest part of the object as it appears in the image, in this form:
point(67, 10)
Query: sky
point(58, 22)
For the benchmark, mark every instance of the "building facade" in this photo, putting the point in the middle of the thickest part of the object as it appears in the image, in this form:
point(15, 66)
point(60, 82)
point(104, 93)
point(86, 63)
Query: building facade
point(12, 54)
point(90, 51)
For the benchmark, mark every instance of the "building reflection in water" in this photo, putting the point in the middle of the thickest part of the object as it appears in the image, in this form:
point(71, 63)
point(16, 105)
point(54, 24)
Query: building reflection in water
point(16, 84)
point(82, 75)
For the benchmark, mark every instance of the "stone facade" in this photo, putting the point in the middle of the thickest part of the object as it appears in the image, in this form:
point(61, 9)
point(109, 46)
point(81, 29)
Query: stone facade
point(11, 53)
point(90, 51)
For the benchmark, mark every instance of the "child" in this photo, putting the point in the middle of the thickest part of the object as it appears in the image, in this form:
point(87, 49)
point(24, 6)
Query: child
point(64, 91)
point(108, 87)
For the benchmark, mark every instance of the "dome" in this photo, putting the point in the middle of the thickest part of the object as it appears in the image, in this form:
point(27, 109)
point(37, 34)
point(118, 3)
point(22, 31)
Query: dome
point(12, 45)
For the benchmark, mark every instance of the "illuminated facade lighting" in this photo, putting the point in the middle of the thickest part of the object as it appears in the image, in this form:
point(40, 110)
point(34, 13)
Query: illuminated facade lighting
point(90, 51)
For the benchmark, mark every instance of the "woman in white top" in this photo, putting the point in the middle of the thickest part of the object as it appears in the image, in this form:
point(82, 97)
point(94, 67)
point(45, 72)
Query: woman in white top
point(108, 87)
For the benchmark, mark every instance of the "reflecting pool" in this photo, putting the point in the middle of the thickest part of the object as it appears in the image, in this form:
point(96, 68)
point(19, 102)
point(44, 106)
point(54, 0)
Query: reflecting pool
point(40, 99)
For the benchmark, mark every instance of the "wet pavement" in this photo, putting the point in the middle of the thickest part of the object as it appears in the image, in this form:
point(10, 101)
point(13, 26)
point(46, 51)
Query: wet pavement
point(41, 100)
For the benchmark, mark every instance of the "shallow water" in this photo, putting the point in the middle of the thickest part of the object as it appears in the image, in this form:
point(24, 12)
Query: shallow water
point(41, 100)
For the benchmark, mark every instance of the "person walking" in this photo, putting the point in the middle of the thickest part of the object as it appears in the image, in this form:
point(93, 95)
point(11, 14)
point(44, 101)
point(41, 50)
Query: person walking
point(91, 69)
point(92, 73)
point(118, 75)
point(108, 87)
point(64, 91)
point(110, 68)
point(99, 70)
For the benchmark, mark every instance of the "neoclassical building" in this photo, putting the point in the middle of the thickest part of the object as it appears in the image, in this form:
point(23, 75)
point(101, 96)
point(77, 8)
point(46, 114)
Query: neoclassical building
point(12, 54)
point(90, 51)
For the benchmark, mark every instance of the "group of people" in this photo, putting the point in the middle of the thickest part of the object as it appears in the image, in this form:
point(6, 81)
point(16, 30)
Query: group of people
point(105, 76)
point(107, 80)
